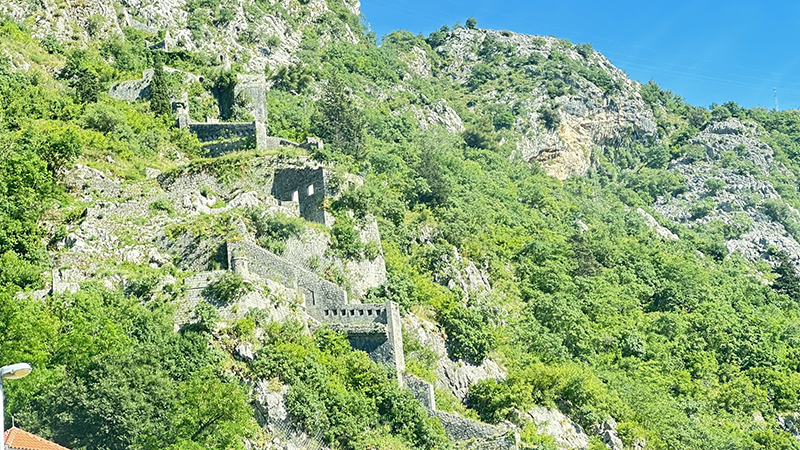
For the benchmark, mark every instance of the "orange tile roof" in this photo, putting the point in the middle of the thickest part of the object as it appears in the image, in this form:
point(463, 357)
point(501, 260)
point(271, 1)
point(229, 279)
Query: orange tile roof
point(22, 440)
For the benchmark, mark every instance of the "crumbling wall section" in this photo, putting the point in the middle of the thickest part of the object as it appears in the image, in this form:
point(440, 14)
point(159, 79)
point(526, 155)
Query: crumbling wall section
point(422, 390)
point(254, 90)
point(306, 185)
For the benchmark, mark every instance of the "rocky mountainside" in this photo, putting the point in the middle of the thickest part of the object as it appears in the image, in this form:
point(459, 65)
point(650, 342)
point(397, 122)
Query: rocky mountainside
point(727, 183)
point(562, 116)
point(487, 239)
point(255, 34)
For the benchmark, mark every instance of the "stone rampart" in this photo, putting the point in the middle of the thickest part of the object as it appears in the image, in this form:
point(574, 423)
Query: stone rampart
point(471, 434)
point(422, 390)
point(320, 294)
point(207, 132)
point(354, 314)
point(372, 328)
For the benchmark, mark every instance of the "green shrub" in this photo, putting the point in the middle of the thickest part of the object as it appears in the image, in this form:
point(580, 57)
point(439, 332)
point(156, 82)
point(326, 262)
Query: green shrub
point(714, 185)
point(272, 231)
point(549, 117)
point(653, 183)
point(273, 42)
point(160, 102)
point(346, 240)
point(701, 209)
point(469, 335)
point(228, 288)
point(162, 205)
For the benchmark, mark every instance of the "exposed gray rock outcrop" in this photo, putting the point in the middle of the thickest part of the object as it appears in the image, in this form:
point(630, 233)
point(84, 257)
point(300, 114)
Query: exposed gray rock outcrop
point(730, 184)
point(607, 431)
point(588, 118)
point(567, 434)
point(788, 423)
point(454, 376)
point(652, 223)
point(248, 37)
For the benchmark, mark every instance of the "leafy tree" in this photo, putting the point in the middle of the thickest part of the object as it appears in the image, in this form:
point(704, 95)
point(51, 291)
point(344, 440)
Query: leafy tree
point(481, 134)
point(339, 122)
point(788, 281)
point(471, 23)
point(87, 86)
point(211, 413)
point(346, 240)
point(438, 37)
point(228, 288)
point(160, 102)
point(549, 117)
point(714, 185)
point(272, 231)
point(295, 78)
point(82, 74)
point(481, 74)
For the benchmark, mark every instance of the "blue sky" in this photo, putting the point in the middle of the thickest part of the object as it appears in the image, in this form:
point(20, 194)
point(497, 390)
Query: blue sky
point(703, 51)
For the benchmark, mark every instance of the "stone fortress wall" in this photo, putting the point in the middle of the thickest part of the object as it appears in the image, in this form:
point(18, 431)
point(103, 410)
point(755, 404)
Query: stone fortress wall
point(218, 138)
point(373, 328)
point(308, 187)
point(320, 294)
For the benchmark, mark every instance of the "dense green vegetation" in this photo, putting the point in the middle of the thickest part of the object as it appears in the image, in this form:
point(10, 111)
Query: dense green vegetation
point(590, 312)
point(111, 373)
point(340, 394)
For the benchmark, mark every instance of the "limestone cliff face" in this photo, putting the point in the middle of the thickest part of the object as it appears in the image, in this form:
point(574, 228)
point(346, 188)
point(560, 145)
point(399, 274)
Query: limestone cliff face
point(257, 36)
point(589, 116)
point(744, 200)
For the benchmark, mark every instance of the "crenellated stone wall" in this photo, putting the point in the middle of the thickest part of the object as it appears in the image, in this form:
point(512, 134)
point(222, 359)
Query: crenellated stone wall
point(373, 328)
point(353, 314)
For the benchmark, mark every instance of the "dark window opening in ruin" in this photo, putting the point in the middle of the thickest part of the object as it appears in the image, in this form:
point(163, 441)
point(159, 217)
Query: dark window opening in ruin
point(361, 312)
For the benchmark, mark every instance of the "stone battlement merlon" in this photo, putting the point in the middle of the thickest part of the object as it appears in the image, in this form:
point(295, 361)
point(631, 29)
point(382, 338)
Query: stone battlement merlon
point(365, 313)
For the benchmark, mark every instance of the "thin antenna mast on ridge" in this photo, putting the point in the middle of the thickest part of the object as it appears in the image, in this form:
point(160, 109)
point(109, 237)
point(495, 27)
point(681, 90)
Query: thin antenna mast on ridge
point(775, 90)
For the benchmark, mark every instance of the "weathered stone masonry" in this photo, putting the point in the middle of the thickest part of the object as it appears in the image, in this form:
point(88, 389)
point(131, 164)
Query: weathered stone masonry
point(374, 328)
point(306, 185)
point(319, 293)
